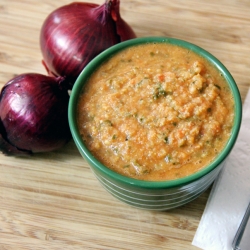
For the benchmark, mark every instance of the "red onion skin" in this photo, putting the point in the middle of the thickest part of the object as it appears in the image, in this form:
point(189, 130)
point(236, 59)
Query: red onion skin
point(74, 34)
point(33, 114)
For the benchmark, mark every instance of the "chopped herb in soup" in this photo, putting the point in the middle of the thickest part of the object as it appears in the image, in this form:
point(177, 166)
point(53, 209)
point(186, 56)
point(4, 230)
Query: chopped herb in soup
point(156, 112)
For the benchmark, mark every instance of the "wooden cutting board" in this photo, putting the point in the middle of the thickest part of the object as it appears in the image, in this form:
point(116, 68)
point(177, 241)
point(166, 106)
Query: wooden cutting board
point(52, 201)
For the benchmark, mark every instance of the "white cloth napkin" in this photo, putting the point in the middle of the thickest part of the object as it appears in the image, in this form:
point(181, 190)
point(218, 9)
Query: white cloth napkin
point(229, 196)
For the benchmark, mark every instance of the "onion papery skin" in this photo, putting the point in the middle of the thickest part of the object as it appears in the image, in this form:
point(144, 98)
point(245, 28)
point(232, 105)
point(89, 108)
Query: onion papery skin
point(33, 114)
point(74, 34)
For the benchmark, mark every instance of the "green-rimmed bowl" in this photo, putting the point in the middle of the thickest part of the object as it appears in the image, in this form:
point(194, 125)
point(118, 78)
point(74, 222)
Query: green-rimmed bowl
point(153, 195)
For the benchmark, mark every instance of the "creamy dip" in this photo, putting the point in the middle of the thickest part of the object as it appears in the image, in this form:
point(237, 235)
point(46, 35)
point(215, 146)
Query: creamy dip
point(156, 112)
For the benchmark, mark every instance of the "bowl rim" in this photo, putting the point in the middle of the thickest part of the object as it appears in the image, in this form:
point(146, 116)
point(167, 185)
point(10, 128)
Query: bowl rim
point(96, 62)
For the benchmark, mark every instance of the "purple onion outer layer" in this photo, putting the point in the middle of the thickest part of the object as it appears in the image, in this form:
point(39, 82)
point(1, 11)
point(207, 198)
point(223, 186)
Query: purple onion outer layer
point(33, 114)
point(74, 34)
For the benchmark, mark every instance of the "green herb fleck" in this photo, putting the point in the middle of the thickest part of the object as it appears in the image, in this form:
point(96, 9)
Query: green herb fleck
point(141, 119)
point(115, 150)
point(159, 93)
point(168, 158)
point(107, 122)
point(146, 171)
point(138, 84)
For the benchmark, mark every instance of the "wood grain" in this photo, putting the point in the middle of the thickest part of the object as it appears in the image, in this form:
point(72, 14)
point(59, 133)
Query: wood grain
point(52, 201)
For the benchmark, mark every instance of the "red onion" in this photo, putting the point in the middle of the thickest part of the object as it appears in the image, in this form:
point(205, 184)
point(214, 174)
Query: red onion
point(74, 34)
point(33, 114)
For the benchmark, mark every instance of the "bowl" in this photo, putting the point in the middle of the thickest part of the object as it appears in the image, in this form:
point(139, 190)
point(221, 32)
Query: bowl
point(154, 195)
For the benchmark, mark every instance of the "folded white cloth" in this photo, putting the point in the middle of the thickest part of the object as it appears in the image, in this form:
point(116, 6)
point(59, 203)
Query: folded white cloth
point(229, 196)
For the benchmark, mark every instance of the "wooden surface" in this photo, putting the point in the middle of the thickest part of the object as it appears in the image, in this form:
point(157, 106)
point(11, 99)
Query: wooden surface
point(52, 201)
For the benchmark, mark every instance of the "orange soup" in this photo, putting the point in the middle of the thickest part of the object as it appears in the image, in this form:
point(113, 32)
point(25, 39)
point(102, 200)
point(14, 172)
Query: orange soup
point(156, 112)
